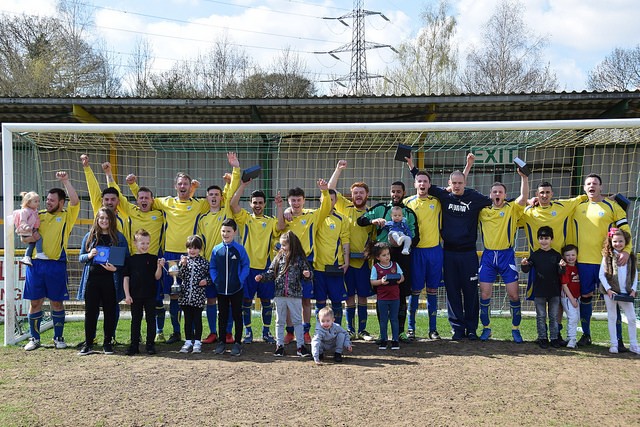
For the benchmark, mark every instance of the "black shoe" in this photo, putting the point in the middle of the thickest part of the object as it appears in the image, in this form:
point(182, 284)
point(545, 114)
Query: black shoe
point(434, 335)
point(458, 335)
point(321, 356)
point(107, 348)
point(86, 349)
point(584, 340)
point(174, 338)
point(557, 343)
point(621, 347)
point(303, 352)
point(472, 336)
point(543, 343)
point(279, 351)
point(151, 349)
point(395, 345)
point(132, 349)
point(337, 357)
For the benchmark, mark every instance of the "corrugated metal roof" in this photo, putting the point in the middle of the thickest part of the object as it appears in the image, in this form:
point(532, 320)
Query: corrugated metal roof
point(370, 109)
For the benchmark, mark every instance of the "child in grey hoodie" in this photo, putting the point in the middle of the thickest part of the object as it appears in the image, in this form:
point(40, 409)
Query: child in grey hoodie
point(329, 337)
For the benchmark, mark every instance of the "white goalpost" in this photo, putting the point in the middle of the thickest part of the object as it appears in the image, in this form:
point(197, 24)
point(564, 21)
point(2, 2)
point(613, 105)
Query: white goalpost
point(291, 155)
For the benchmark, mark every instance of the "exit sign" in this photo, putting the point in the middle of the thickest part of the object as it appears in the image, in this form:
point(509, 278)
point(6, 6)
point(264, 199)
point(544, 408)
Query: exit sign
point(495, 155)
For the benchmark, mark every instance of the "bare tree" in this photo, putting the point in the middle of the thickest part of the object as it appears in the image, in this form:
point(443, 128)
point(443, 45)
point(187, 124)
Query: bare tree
point(619, 71)
point(510, 57)
point(50, 56)
point(141, 63)
point(221, 68)
point(429, 63)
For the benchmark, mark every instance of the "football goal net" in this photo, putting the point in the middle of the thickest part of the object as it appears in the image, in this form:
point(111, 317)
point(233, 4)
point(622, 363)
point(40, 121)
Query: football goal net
point(296, 155)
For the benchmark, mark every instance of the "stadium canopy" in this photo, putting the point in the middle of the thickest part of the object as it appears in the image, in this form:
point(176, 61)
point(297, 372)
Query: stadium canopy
point(371, 109)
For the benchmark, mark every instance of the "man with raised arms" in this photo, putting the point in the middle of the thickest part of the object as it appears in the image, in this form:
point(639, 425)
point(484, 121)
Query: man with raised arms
point(331, 250)
point(47, 278)
point(498, 227)
point(426, 257)
point(142, 216)
point(258, 233)
point(181, 214)
point(304, 223)
point(557, 214)
point(592, 219)
point(209, 226)
point(357, 276)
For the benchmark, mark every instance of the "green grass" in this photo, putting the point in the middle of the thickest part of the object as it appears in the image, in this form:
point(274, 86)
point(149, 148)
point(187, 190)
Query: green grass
point(500, 327)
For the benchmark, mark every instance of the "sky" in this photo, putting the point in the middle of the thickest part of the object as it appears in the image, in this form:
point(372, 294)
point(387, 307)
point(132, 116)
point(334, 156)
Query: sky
point(581, 33)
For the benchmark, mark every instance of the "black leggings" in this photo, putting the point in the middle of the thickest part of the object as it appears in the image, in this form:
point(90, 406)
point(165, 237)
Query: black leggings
point(192, 322)
point(148, 305)
point(100, 291)
point(235, 301)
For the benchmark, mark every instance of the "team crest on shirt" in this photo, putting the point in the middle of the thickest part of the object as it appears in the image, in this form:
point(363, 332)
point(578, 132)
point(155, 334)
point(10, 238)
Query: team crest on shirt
point(332, 226)
point(501, 213)
point(188, 208)
point(58, 219)
point(554, 213)
point(303, 222)
point(153, 217)
point(432, 206)
point(600, 213)
point(264, 224)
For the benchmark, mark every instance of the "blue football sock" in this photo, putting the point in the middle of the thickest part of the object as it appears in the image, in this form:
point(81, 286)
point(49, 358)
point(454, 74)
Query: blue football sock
point(362, 317)
point(289, 329)
point(306, 326)
point(432, 309)
point(34, 323)
point(337, 312)
point(485, 305)
point(58, 323)
point(160, 316)
point(413, 309)
point(246, 313)
point(516, 312)
point(351, 318)
point(586, 310)
point(230, 322)
point(267, 314)
point(174, 312)
point(212, 318)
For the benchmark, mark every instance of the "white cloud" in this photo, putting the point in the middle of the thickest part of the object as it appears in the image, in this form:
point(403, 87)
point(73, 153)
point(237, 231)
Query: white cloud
point(32, 7)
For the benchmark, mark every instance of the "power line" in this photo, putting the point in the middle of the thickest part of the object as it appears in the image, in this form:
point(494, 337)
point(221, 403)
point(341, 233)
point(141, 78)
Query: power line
point(181, 21)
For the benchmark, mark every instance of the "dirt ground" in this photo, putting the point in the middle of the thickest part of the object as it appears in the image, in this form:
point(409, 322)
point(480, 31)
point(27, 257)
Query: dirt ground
point(423, 383)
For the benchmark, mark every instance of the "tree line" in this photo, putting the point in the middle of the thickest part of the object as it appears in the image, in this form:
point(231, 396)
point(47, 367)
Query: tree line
point(58, 56)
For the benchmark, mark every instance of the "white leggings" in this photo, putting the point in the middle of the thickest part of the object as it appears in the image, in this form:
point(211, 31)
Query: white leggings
point(627, 308)
point(401, 239)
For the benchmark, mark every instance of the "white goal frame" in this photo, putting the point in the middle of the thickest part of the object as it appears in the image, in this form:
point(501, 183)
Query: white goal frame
point(8, 129)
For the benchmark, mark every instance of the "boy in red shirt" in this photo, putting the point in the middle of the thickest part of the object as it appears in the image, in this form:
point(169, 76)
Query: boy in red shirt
point(570, 283)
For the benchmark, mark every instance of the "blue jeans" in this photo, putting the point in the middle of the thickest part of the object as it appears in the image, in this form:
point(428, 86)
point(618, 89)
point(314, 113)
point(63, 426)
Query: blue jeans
point(388, 312)
point(547, 306)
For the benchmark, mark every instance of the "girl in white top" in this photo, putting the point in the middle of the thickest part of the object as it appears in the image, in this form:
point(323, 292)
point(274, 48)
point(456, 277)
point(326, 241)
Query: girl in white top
point(619, 281)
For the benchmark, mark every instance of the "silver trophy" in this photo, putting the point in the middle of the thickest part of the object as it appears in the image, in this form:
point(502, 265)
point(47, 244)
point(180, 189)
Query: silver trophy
point(173, 272)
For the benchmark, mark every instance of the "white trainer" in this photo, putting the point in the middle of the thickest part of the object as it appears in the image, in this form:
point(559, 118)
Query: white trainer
point(32, 344)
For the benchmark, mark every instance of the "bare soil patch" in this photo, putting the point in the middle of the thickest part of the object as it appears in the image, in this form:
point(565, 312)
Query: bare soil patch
point(423, 383)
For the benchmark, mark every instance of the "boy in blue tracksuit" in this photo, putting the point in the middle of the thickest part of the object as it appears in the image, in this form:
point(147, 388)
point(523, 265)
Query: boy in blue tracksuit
point(229, 268)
